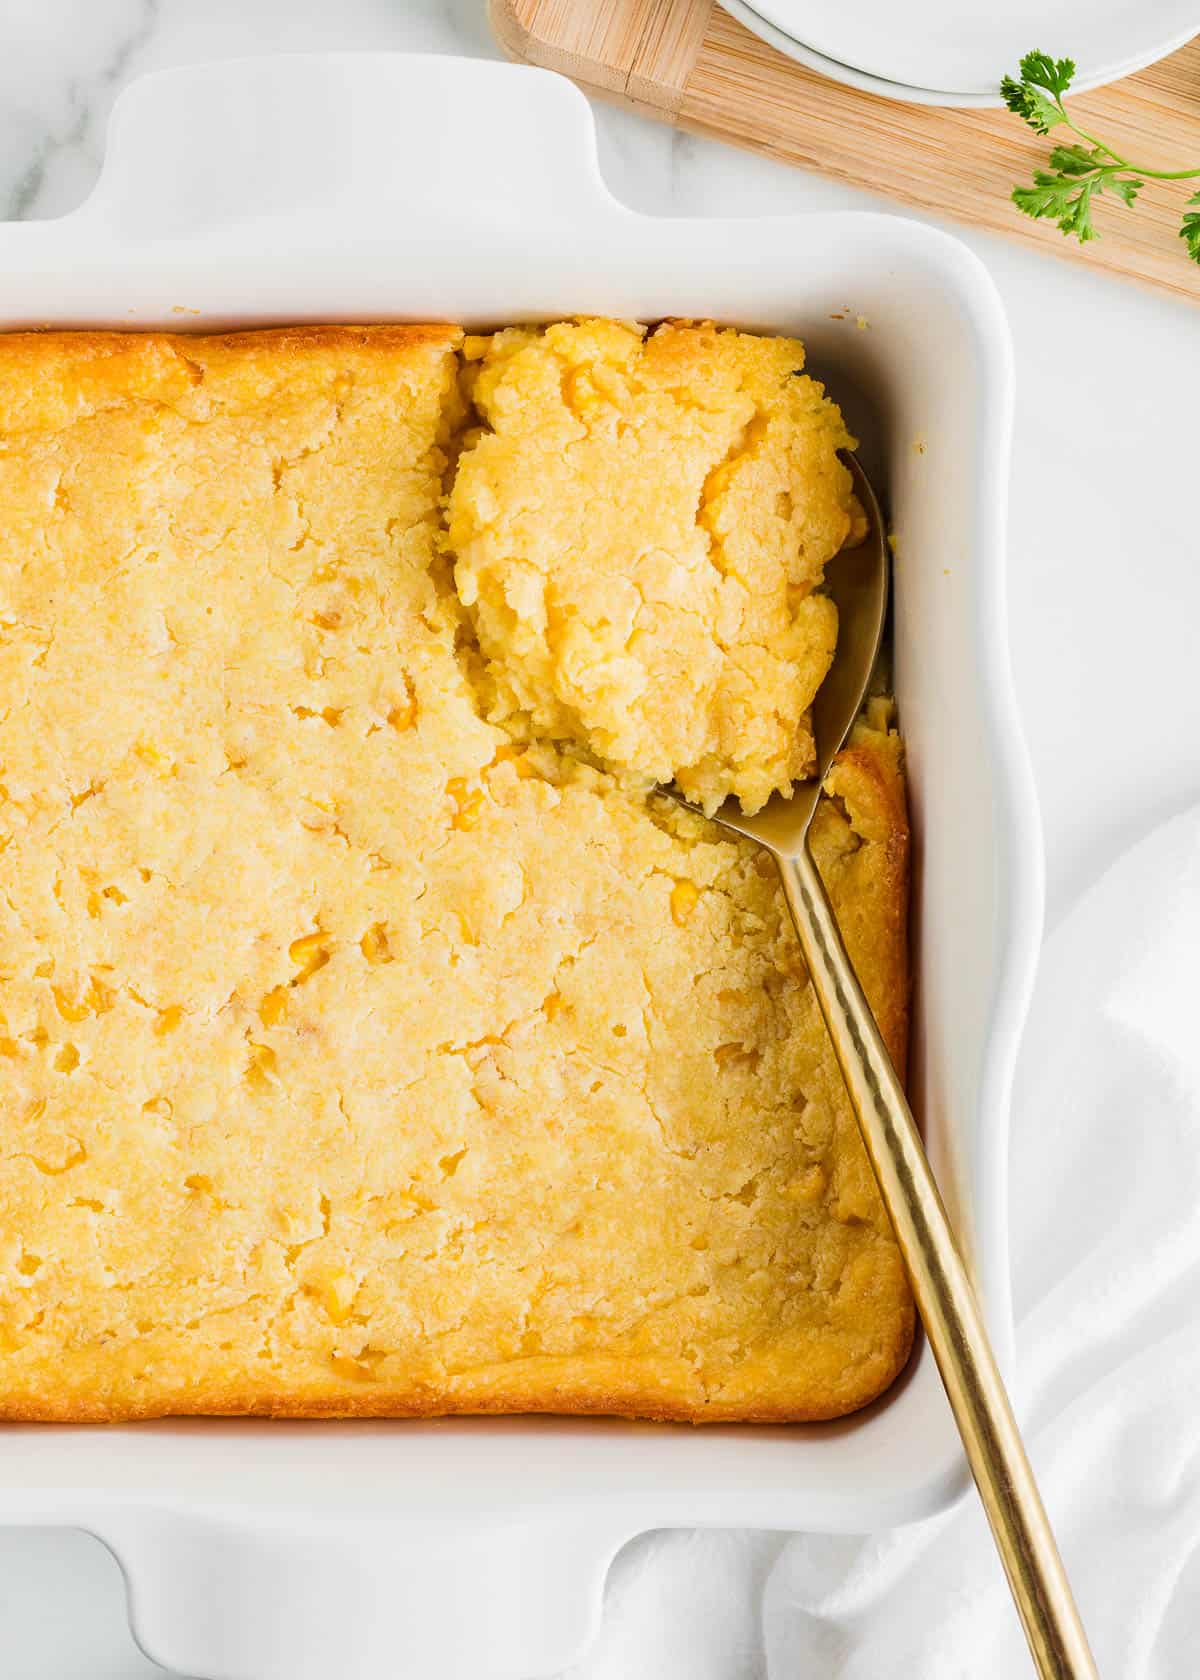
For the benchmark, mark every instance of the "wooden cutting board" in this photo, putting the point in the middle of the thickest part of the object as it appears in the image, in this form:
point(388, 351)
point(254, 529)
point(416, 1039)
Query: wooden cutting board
point(689, 63)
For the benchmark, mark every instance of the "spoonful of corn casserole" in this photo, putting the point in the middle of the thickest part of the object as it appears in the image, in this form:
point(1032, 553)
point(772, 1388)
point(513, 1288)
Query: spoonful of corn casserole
point(675, 629)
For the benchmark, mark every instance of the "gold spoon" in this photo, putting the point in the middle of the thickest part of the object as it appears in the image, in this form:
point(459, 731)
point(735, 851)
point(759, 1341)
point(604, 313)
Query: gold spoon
point(942, 1288)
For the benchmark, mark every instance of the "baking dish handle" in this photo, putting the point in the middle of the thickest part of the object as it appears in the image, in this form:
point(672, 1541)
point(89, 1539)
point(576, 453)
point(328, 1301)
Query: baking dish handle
point(373, 140)
point(463, 1599)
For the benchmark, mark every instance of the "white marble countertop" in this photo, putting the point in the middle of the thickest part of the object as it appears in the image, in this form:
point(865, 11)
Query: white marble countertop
point(1105, 549)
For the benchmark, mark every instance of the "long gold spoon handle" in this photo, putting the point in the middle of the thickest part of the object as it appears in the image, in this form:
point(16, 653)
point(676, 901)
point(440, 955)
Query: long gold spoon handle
point(943, 1292)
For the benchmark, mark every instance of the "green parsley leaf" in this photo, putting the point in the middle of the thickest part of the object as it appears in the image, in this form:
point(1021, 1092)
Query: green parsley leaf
point(1031, 105)
point(1037, 97)
point(1053, 74)
point(1190, 229)
point(1077, 160)
point(1126, 187)
point(1063, 199)
point(1047, 197)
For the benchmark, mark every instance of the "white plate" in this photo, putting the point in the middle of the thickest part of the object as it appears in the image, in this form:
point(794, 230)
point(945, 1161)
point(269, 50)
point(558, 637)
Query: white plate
point(966, 49)
point(308, 189)
point(846, 73)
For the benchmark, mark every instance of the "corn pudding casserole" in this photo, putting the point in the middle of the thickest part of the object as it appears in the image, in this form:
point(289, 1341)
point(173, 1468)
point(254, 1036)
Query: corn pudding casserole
point(367, 1045)
point(640, 508)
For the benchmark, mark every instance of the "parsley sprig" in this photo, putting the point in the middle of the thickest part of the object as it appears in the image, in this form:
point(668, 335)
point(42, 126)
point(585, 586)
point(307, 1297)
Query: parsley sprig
point(1082, 169)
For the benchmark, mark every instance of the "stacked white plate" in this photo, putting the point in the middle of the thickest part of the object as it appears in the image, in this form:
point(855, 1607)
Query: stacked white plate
point(934, 52)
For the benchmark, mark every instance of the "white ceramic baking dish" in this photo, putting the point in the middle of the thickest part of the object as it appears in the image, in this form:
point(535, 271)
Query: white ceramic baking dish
point(375, 188)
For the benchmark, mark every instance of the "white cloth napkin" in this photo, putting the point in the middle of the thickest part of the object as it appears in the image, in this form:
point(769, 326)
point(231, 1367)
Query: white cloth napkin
point(1106, 1255)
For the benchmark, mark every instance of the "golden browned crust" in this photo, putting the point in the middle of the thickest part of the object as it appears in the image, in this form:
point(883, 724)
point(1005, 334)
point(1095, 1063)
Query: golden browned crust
point(644, 1406)
point(868, 778)
point(42, 348)
point(355, 1060)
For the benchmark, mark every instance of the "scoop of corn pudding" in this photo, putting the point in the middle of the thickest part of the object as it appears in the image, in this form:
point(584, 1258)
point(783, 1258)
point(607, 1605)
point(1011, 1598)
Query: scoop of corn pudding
point(640, 527)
